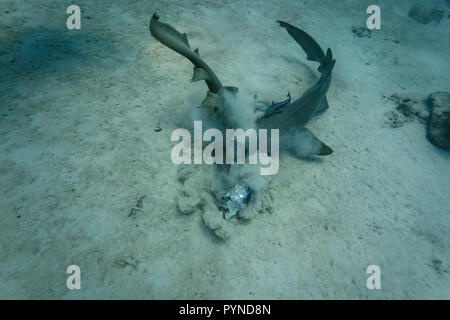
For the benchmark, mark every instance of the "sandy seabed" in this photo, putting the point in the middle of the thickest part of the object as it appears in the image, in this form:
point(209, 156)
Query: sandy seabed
point(80, 143)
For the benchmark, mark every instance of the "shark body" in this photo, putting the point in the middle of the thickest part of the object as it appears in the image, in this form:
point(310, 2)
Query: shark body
point(298, 113)
point(283, 115)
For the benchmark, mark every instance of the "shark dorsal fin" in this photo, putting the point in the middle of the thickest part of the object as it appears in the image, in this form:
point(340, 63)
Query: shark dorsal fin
point(196, 52)
point(185, 40)
point(323, 106)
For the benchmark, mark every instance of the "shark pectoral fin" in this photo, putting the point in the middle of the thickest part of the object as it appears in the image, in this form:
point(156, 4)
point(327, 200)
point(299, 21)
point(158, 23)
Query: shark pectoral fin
point(305, 144)
point(211, 100)
point(318, 148)
point(200, 74)
point(324, 150)
point(232, 90)
point(323, 107)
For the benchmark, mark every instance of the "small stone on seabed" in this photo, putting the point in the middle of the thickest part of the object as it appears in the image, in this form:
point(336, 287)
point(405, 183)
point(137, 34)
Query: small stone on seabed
point(439, 125)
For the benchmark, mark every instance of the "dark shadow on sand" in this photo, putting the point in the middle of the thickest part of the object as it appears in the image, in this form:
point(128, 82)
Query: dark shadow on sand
point(41, 51)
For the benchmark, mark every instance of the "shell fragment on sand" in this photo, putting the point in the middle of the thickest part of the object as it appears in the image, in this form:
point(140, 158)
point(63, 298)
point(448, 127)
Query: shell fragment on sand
point(236, 200)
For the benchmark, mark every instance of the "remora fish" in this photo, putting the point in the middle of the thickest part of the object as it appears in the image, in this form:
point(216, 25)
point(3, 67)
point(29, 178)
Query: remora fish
point(298, 113)
point(277, 107)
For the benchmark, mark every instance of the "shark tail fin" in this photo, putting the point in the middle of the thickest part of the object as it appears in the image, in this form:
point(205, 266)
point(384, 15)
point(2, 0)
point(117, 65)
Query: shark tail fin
point(162, 32)
point(312, 49)
point(171, 38)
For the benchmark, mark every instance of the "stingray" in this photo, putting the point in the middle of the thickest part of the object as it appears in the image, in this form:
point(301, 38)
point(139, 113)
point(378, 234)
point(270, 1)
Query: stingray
point(289, 115)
